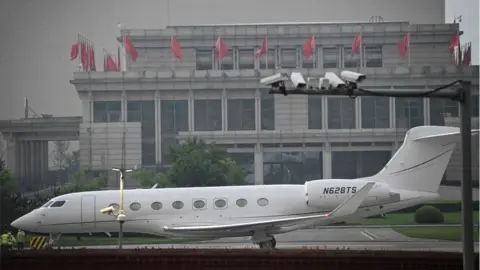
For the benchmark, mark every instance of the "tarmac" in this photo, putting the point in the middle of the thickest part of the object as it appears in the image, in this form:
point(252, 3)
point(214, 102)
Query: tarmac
point(352, 239)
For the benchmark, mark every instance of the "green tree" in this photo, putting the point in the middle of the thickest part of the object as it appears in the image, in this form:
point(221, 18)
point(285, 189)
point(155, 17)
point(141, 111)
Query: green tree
point(197, 164)
point(148, 178)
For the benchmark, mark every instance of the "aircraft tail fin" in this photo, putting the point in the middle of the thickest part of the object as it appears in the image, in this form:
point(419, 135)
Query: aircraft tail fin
point(421, 161)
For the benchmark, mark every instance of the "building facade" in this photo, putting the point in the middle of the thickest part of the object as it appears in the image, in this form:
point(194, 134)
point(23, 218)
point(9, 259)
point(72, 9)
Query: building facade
point(160, 101)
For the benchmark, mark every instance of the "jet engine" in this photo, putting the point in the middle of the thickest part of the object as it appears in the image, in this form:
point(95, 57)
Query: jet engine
point(326, 195)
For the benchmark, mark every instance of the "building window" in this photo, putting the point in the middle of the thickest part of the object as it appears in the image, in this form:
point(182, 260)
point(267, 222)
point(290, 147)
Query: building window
point(220, 204)
point(135, 206)
point(267, 110)
point(107, 111)
point(441, 109)
point(262, 202)
point(174, 118)
point(177, 205)
point(341, 113)
point(199, 204)
point(269, 58)
point(314, 112)
point(246, 59)
point(204, 59)
point(288, 58)
point(474, 106)
point(350, 61)
point(143, 111)
point(375, 112)
point(241, 114)
point(409, 112)
point(241, 202)
point(227, 62)
point(156, 205)
point(373, 56)
point(208, 114)
point(330, 57)
point(309, 63)
point(292, 167)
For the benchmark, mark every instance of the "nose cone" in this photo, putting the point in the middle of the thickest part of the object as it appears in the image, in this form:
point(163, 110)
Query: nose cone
point(24, 223)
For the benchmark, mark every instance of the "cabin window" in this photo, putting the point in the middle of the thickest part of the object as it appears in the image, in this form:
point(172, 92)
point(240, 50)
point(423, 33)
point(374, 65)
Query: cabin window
point(135, 206)
point(262, 202)
point(58, 204)
point(114, 205)
point(156, 205)
point(199, 204)
point(241, 202)
point(47, 204)
point(220, 203)
point(177, 204)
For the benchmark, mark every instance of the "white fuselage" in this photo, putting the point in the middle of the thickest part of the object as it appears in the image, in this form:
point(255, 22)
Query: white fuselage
point(81, 211)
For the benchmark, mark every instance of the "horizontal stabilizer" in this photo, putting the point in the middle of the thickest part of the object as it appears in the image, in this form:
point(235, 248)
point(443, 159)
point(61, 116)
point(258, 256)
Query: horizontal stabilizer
point(348, 207)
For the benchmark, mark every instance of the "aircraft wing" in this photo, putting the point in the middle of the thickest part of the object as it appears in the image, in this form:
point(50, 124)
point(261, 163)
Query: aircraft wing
point(348, 207)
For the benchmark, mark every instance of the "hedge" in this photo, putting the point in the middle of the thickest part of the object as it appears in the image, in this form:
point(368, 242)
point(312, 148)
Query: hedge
point(443, 207)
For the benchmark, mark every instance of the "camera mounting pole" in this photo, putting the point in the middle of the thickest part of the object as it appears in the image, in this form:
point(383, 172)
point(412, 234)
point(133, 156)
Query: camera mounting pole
point(459, 91)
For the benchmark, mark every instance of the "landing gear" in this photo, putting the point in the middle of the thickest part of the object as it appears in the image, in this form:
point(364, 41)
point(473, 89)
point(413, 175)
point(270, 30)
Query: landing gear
point(272, 243)
point(53, 239)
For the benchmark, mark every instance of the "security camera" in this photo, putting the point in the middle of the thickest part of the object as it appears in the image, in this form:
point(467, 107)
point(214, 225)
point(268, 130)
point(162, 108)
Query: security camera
point(108, 210)
point(334, 80)
point(352, 77)
point(324, 84)
point(297, 80)
point(275, 80)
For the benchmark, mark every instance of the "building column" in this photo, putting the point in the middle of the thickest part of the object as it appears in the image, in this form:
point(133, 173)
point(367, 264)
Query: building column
point(12, 156)
point(258, 161)
point(258, 120)
point(224, 110)
point(327, 161)
point(124, 106)
point(158, 128)
point(191, 111)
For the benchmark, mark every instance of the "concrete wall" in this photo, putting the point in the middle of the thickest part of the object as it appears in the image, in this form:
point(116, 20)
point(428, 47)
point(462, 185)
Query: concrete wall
point(102, 147)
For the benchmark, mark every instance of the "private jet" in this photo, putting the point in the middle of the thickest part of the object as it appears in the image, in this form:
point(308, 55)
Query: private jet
point(412, 176)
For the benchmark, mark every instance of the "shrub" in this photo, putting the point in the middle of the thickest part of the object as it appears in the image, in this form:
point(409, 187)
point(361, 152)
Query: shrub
point(428, 214)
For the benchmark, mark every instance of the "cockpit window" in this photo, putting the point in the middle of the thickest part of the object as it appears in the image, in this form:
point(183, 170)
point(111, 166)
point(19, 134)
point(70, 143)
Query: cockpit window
point(58, 204)
point(47, 204)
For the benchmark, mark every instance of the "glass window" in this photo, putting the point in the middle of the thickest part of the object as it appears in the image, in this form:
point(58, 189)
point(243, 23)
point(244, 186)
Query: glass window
point(409, 112)
point(373, 56)
point(314, 112)
point(246, 59)
point(143, 111)
point(350, 61)
point(177, 204)
point(174, 116)
point(204, 59)
point(475, 107)
point(309, 63)
point(241, 114)
point(58, 204)
point(135, 206)
point(107, 111)
point(441, 109)
point(262, 202)
point(330, 58)
point(241, 202)
point(292, 167)
point(227, 62)
point(47, 204)
point(199, 204)
point(267, 110)
point(375, 112)
point(156, 205)
point(341, 113)
point(288, 58)
point(269, 58)
point(220, 203)
point(208, 114)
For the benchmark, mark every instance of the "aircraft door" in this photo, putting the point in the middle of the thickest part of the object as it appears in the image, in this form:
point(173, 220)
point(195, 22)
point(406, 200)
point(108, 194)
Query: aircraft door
point(88, 212)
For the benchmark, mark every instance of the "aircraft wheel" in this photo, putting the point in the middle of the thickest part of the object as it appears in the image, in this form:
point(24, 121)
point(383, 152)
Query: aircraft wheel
point(274, 242)
point(268, 244)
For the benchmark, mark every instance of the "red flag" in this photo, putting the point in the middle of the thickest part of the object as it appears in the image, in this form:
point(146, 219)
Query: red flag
point(454, 42)
point(130, 49)
point(357, 44)
point(74, 51)
point(83, 55)
point(118, 59)
point(220, 49)
point(176, 49)
point(111, 66)
point(467, 58)
point(309, 47)
point(92, 59)
point(263, 49)
point(403, 45)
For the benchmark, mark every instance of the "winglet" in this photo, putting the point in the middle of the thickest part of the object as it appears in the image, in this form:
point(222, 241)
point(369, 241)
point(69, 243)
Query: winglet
point(351, 205)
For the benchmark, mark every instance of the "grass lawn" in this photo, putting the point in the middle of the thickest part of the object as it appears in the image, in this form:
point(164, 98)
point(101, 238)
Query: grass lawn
point(407, 219)
point(449, 234)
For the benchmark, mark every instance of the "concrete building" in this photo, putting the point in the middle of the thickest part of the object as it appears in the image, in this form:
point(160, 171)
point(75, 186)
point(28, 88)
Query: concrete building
point(160, 101)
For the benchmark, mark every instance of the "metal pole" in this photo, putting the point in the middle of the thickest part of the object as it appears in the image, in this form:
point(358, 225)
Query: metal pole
point(467, 202)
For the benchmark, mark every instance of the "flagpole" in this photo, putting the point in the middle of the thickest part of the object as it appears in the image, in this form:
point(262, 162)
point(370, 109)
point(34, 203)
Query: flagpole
point(79, 57)
point(171, 53)
point(361, 46)
point(408, 45)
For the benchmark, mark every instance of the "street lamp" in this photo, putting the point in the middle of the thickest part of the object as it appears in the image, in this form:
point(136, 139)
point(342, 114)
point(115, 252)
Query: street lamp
point(332, 85)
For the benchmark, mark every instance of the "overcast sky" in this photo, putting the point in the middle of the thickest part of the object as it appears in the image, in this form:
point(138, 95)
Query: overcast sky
point(36, 36)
